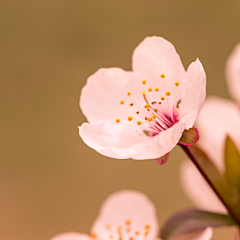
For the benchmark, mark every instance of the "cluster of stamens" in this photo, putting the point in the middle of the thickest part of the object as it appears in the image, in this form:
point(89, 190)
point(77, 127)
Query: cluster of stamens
point(160, 118)
point(124, 232)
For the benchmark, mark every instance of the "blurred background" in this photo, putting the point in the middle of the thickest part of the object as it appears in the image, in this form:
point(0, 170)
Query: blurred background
point(50, 181)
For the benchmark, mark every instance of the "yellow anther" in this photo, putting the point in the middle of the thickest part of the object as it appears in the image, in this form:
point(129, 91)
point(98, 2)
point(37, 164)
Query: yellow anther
point(162, 76)
point(143, 93)
point(136, 232)
point(147, 105)
point(130, 118)
point(128, 229)
point(159, 103)
point(162, 98)
point(147, 226)
point(156, 89)
point(93, 235)
point(108, 226)
point(139, 122)
point(111, 236)
point(150, 89)
point(168, 93)
point(119, 229)
point(122, 102)
point(146, 233)
point(128, 93)
point(177, 83)
point(144, 81)
point(137, 112)
point(150, 119)
point(154, 116)
point(117, 120)
point(146, 118)
point(156, 110)
point(131, 104)
point(128, 222)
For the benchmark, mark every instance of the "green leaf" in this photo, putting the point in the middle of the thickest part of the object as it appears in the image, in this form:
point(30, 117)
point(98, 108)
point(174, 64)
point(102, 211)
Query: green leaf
point(232, 163)
point(189, 137)
point(191, 221)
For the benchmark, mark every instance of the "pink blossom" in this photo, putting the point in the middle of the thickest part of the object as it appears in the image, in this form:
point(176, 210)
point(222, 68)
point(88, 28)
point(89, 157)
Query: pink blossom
point(232, 72)
point(125, 215)
point(138, 114)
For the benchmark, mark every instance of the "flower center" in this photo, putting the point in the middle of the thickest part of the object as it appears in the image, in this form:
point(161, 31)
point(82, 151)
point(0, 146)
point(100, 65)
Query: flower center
point(157, 112)
point(126, 231)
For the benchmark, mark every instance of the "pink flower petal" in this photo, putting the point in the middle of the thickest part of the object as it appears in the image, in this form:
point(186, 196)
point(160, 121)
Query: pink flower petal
point(126, 214)
point(205, 235)
point(71, 236)
point(101, 96)
point(155, 56)
point(198, 190)
point(233, 73)
point(193, 93)
point(218, 118)
point(121, 141)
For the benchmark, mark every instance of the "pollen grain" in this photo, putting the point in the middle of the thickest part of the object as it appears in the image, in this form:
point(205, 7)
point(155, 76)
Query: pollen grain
point(162, 76)
point(93, 235)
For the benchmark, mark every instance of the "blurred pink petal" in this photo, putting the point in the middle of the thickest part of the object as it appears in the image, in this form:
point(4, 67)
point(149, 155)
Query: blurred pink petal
point(71, 236)
point(126, 214)
point(205, 235)
point(123, 215)
point(198, 190)
point(135, 114)
point(218, 118)
point(233, 73)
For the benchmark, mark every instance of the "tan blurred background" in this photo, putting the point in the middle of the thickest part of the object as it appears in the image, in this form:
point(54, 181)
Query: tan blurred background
point(50, 181)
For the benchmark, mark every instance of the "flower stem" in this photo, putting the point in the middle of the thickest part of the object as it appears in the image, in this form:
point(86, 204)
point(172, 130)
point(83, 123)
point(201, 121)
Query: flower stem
point(205, 176)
